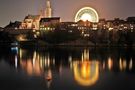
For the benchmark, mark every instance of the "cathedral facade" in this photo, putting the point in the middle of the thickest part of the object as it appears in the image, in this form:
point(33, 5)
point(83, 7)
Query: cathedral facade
point(32, 21)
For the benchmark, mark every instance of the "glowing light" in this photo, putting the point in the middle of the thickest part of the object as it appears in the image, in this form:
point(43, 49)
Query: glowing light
point(86, 73)
point(54, 61)
point(104, 65)
point(84, 70)
point(85, 55)
point(120, 64)
point(86, 17)
point(20, 53)
point(87, 13)
point(123, 64)
point(16, 61)
point(110, 63)
point(15, 49)
point(49, 78)
point(110, 29)
point(37, 69)
point(131, 64)
point(34, 58)
point(29, 67)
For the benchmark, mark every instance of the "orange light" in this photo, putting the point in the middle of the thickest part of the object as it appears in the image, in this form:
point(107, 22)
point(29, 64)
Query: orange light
point(87, 74)
point(110, 63)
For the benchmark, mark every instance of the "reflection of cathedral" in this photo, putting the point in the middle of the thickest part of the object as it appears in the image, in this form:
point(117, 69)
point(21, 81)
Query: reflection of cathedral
point(32, 21)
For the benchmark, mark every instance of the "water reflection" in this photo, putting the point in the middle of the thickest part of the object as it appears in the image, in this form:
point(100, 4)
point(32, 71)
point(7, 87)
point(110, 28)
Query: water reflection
point(86, 73)
point(131, 64)
point(123, 64)
point(38, 64)
point(85, 65)
point(110, 63)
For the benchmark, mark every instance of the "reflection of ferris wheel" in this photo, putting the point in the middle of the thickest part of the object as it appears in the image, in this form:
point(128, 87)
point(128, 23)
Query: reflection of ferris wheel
point(87, 12)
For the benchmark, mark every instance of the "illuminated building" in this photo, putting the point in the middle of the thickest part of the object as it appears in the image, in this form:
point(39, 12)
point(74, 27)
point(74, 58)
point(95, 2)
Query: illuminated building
point(67, 25)
point(102, 23)
point(84, 23)
point(49, 23)
point(32, 21)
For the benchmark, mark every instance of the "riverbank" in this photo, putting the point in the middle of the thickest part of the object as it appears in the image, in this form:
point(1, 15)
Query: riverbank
point(80, 43)
point(76, 43)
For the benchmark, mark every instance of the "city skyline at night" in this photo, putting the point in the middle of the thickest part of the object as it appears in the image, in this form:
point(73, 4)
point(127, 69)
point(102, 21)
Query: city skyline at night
point(16, 10)
point(74, 44)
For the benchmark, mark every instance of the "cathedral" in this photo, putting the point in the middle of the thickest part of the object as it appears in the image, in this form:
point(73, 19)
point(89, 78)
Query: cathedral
point(32, 21)
point(48, 10)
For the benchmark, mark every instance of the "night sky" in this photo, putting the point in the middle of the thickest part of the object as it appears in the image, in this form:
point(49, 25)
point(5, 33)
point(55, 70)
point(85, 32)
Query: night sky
point(12, 10)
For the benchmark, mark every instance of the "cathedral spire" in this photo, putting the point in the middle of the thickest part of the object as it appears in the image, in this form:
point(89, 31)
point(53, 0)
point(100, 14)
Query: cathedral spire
point(48, 4)
point(48, 10)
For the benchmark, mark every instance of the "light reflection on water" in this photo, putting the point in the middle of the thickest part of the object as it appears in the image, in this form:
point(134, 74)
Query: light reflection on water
point(86, 73)
point(84, 65)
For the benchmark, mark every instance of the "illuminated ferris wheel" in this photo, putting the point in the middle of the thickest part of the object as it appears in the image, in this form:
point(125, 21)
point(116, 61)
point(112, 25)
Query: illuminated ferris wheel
point(87, 13)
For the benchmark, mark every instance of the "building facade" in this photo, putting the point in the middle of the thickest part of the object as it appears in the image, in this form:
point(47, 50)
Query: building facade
point(49, 23)
point(32, 21)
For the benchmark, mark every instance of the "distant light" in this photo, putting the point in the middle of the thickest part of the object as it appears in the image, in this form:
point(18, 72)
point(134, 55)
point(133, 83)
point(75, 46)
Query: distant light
point(110, 29)
point(123, 64)
point(14, 49)
point(86, 35)
point(110, 63)
point(70, 31)
point(125, 27)
point(82, 32)
point(16, 61)
point(35, 36)
point(130, 64)
point(95, 28)
point(86, 17)
point(34, 30)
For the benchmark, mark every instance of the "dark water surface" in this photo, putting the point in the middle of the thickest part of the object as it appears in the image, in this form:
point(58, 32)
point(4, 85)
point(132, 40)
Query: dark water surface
point(67, 68)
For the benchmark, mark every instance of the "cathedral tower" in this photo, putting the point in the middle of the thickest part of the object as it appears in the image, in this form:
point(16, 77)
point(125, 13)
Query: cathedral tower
point(48, 10)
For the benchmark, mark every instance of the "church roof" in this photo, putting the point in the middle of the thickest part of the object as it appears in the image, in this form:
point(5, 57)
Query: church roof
point(32, 17)
point(49, 19)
